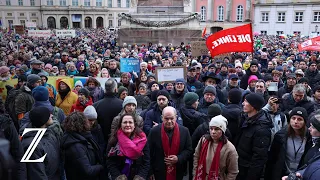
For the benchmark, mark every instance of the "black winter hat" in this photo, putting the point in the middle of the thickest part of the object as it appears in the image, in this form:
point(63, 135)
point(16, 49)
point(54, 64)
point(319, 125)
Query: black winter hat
point(190, 98)
point(39, 116)
point(255, 100)
point(254, 62)
point(299, 111)
point(316, 88)
point(151, 84)
point(235, 96)
point(22, 78)
point(84, 91)
point(304, 79)
point(214, 110)
point(163, 93)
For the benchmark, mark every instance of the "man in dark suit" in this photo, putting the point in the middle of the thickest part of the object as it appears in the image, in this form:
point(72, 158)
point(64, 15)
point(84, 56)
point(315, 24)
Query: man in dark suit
point(169, 157)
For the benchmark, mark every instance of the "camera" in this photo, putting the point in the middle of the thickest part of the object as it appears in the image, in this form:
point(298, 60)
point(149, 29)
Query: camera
point(292, 176)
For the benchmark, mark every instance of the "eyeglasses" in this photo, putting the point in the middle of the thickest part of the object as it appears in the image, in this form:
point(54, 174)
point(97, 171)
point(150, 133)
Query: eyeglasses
point(238, 67)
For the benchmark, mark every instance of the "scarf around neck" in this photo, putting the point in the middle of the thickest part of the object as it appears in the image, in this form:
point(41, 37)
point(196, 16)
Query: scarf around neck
point(202, 164)
point(170, 149)
point(131, 148)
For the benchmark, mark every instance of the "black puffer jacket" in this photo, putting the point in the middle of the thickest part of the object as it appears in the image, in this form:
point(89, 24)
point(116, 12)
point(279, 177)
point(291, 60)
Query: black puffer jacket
point(50, 145)
point(16, 150)
point(289, 103)
point(232, 113)
point(284, 90)
point(252, 144)
point(313, 77)
point(178, 98)
point(82, 156)
point(276, 167)
point(192, 118)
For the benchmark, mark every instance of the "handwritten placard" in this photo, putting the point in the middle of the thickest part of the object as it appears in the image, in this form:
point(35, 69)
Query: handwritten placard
point(40, 33)
point(65, 33)
point(170, 74)
point(199, 48)
point(129, 65)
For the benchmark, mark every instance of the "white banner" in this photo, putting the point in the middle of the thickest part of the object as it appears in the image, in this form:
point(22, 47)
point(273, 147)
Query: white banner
point(31, 24)
point(40, 33)
point(65, 33)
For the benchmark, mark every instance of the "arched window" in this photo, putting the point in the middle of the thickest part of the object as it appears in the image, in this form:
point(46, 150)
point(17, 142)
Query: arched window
point(203, 13)
point(51, 22)
point(240, 13)
point(220, 13)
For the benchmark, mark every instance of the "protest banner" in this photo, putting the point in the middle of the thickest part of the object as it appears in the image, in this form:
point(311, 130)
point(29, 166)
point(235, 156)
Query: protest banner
point(19, 29)
point(170, 74)
point(238, 39)
point(40, 33)
point(3, 89)
point(31, 24)
point(65, 33)
point(129, 65)
point(199, 48)
point(312, 44)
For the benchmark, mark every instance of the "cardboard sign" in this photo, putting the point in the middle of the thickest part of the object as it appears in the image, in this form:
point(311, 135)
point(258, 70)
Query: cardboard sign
point(129, 65)
point(40, 33)
point(170, 74)
point(19, 29)
point(65, 33)
point(199, 48)
point(273, 86)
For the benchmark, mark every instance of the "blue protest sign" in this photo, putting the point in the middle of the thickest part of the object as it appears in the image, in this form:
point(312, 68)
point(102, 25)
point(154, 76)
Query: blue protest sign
point(129, 65)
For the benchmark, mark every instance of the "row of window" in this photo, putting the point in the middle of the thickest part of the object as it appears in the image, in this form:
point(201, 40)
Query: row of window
point(22, 14)
point(220, 15)
point(280, 32)
point(74, 3)
point(298, 17)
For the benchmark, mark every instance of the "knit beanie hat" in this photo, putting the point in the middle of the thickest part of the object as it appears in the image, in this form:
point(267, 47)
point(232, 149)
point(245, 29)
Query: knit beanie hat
point(210, 89)
point(214, 110)
point(84, 91)
point(315, 121)
point(90, 112)
point(43, 74)
point(299, 111)
point(254, 62)
point(316, 88)
point(151, 84)
point(190, 98)
point(22, 78)
point(48, 66)
point(252, 78)
point(238, 65)
point(33, 78)
point(4, 69)
point(235, 96)
point(78, 83)
point(255, 100)
point(121, 89)
point(220, 122)
point(40, 93)
point(163, 93)
point(39, 116)
point(180, 80)
point(303, 80)
point(129, 100)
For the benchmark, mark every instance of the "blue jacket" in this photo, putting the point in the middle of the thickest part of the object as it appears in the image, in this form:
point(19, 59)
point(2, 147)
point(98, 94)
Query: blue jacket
point(154, 115)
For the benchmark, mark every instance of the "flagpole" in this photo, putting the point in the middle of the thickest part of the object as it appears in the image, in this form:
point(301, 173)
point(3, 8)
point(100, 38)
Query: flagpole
point(252, 40)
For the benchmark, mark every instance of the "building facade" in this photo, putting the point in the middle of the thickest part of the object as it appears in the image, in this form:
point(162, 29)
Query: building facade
point(59, 14)
point(275, 17)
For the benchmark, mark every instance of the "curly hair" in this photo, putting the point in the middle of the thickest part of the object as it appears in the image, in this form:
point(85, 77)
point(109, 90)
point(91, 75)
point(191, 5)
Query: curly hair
point(113, 138)
point(76, 122)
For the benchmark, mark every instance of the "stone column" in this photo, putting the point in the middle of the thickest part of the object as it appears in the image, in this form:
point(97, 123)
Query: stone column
point(82, 21)
point(58, 22)
point(70, 21)
point(94, 21)
point(105, 21)
point(248, 10)
point(209, 10)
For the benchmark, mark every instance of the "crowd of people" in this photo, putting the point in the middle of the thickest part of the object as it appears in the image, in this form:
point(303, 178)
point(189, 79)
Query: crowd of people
point(242, 116)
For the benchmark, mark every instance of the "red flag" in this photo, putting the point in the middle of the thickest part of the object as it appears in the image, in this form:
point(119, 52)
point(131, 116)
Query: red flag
point(204, 32)
point(238, 39)
point(310, 45)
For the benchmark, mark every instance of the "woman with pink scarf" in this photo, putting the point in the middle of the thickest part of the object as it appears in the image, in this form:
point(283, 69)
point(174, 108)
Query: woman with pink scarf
point(128, 151)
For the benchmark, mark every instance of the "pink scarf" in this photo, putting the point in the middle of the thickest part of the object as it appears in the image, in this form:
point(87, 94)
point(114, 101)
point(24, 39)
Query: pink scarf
point(131, 148)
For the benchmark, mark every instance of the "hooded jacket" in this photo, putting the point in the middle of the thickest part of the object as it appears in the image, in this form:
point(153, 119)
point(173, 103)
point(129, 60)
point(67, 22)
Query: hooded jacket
point(252, 143)
point(82, 156)
point(178, 98)
point(192, 118)
point(24, 100)
point(70, 99)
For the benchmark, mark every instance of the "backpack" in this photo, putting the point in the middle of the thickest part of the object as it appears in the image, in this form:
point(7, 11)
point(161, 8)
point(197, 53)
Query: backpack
point(10, 106)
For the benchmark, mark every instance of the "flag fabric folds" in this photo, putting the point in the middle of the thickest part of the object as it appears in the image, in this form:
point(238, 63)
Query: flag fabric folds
point(312, 44)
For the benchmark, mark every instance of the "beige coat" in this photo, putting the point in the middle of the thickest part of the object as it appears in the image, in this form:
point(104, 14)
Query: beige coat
point(228, 169)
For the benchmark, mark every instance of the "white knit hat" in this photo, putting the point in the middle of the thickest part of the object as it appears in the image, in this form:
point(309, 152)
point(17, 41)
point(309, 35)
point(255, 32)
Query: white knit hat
point(78, 83)
point(238, 64)
point(90, 112)
point(129, 100)
point(220, 122)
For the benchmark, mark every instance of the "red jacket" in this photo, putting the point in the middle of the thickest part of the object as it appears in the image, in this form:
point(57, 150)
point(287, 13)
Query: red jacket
point(79, 107)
